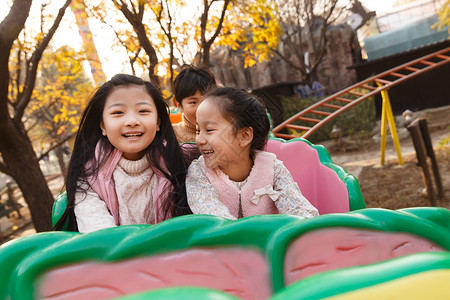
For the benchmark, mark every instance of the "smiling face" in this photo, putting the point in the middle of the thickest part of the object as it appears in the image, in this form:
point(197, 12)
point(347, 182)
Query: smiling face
point(130, 120)
point(219, 143)
point(189, 106)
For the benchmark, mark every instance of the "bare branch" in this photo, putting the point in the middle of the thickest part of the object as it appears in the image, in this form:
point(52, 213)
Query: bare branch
point(311, 19)
point(55, 145)
point(35, 58)
point(136, 22)
point(219, 27)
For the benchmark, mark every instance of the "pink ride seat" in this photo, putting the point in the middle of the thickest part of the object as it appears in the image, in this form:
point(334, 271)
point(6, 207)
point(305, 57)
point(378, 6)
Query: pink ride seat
point(326, 185)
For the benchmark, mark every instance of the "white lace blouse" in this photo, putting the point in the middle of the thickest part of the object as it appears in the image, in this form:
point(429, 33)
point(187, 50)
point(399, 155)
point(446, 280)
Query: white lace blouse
point(204, 199)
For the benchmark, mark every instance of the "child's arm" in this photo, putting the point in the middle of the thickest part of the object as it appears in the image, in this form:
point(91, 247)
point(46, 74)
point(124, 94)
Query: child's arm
point(291, 201)
point(202, 196)
point(91, 212)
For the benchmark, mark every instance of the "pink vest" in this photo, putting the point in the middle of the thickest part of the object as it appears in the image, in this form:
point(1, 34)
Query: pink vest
point(105, 187)
point(261, 175)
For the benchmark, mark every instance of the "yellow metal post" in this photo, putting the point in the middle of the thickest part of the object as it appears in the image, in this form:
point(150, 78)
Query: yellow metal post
point(386, 114)
point(383, 131)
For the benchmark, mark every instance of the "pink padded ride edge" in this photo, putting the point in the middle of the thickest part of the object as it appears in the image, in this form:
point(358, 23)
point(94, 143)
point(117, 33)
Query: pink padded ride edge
point(335, 248)
point(241, 272)
point(318, 183)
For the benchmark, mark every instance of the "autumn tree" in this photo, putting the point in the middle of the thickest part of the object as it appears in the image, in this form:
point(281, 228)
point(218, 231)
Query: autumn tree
point(204, 30)
point(213, 25)
point(160, 34)
point(176, 32)
point(134, 12)
point(106, 13)
point(304, 39)
point(18, 158)
point(252, 28)
point(58, 99)
point(139, 41)
point(444, 16)
point(163, 12)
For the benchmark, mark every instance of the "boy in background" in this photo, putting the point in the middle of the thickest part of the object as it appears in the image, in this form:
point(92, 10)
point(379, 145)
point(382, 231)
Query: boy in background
point(189, 87)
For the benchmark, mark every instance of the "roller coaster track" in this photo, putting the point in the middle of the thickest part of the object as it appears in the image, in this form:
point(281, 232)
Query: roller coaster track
point(315, 116)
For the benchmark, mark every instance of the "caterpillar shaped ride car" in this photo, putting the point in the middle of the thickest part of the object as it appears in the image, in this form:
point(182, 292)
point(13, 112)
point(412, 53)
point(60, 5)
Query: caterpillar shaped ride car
point(359, 254)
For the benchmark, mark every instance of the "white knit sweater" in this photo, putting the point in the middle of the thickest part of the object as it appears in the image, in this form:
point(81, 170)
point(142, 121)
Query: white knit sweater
point(134, 181)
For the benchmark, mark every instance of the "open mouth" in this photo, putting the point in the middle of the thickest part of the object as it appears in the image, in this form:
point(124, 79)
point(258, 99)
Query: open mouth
point(132, 135)
point(207, 152)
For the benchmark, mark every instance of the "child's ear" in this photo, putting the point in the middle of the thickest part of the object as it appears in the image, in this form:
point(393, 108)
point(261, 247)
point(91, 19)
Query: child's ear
point(102, 127)
point(178, 104)
point(245, 136)
point(157, 124)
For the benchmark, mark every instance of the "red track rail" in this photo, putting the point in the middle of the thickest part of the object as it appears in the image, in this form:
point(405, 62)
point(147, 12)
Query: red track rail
point(314, 117)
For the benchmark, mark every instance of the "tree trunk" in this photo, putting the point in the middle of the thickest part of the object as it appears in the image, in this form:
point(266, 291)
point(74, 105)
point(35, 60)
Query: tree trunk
point(206, 57)
point(62, 164)
point(18, 158)
point(14, 143)
point(309, 78)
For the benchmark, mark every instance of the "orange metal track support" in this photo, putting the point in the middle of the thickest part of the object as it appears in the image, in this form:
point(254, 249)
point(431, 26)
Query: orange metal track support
point(362, 91)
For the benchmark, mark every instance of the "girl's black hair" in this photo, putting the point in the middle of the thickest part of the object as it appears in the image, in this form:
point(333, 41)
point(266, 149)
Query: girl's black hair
point(192, 79)
point(163, 148)
point(243, 109)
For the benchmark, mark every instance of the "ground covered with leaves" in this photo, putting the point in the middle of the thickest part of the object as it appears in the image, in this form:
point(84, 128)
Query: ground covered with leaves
point(394, 187)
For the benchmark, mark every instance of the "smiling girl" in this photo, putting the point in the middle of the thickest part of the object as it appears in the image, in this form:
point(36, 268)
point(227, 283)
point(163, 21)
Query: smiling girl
point(234, 178)
point(126, 166)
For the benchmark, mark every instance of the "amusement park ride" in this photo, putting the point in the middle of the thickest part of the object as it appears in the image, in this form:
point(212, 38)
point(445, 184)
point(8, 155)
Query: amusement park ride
point(348, 252)
point(315, 116)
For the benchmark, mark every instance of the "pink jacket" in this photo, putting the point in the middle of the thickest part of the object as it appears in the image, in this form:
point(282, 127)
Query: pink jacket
point(103, 184)
point(253, 202)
